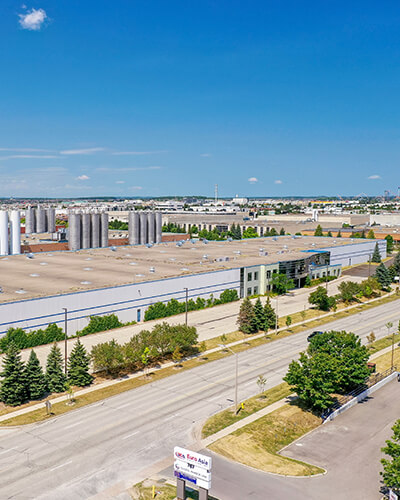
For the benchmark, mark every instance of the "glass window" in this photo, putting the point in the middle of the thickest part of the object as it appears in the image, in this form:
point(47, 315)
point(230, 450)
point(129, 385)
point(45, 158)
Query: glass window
point(268, 275)
point(256, 290)
point(249, 291)
point(274, 271)
point(248, 276)
point(256, 276)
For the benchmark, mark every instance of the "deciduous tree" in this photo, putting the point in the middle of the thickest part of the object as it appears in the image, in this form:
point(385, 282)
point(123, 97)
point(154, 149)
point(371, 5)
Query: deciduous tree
point(391, 465)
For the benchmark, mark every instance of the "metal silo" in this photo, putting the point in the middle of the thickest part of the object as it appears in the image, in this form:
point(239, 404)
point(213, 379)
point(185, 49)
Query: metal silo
point(86, 230)
point(104, 229)
point(143, 228)
point(15, 232)
point(30, 221)
point(134, 232)
point(40, 220)
point(95, 230)
point(3, 233)
point(158, 227)
point(51, 220)
point(151, 227)
point(74, 236)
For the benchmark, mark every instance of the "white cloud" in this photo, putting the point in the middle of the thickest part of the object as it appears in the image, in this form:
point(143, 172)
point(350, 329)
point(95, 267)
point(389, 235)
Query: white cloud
point(374, 177)
point(278, 181)
point(87, 151)
point(206, 155)
point(252, 180)
point(136, 188)
point(33, 19)
point(13, 157)
point(137, 153)
point(119, 182)
point(83, 178)
point(28, 150)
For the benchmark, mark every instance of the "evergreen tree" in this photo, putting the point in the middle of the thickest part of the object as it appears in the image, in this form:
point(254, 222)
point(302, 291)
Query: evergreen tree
point(13, 386)
point(269, 315)
point(282, 232)
point(339, 235)
point(371, 235)
point(238, 232)
point(382, 274)
point(396, 264)
point(78, 366)
point(259, 317)
point(35, 378)
point(376, 256)
point(362, 234)
point(55, 377)
point(318, 231)
point(389, 243)
point(246, 318)
point(329, 234)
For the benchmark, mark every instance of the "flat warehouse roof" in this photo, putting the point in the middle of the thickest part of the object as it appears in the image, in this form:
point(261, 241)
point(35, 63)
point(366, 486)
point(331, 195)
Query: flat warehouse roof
point(52, 273)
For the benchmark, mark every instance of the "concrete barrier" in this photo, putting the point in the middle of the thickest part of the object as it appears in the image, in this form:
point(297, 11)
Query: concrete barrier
point(361, 397)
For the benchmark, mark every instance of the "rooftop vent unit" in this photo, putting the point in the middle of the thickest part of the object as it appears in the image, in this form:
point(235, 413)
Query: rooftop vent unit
point(193, 241)
point(113, 249)
point(152, 269)
point(28, 256)
point(237, 252)
point(205, 256)
point(229, 239)
point(275, 238)
point(179, 244)
point(148, 245)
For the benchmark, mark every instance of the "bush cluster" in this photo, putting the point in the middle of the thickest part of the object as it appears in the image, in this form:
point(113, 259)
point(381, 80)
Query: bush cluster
point(162, 310)
point(148, 346)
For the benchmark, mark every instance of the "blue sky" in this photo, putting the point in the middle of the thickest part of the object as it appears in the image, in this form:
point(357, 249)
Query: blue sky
point(151, 98)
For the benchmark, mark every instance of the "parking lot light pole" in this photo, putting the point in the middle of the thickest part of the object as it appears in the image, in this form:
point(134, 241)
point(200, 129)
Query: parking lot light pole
point(236, 373)
point(65, 339)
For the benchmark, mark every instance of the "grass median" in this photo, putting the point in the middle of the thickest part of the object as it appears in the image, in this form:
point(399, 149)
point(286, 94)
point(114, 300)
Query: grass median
point(258, 444)
point(144, 491)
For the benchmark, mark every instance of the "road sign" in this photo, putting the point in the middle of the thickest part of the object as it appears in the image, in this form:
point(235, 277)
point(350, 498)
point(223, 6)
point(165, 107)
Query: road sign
point(193, 470)
point(198, 482)
point(191, 457)
point(392, 495)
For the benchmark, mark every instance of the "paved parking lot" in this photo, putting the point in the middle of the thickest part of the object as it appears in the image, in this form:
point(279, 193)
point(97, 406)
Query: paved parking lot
point(348, 448)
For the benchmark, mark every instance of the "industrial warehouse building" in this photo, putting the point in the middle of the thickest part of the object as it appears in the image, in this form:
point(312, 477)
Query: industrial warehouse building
point(127, 280)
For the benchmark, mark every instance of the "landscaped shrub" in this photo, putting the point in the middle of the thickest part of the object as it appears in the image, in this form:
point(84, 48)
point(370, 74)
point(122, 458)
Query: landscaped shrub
point(162, 310)
point(23, 339)
point(100, 324)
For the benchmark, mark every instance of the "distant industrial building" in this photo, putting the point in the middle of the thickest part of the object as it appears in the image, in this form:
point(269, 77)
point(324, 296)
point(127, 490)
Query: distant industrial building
point(127, 280)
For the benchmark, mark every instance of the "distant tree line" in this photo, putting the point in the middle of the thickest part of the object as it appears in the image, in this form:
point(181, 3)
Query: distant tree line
point(118, 225)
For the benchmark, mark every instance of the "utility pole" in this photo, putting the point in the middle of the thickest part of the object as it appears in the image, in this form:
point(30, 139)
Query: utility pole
point(65, 339)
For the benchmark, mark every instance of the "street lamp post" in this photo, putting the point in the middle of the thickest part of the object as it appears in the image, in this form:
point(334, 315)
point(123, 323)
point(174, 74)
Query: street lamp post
point(276, 316)
point(65, 339)
point(186, 306)
point(236, 374)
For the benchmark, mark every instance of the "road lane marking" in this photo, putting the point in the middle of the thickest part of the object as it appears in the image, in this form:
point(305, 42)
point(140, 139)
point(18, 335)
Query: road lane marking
point(130, 435)
point(5, 451)
point(61, 465)
point(73, 425)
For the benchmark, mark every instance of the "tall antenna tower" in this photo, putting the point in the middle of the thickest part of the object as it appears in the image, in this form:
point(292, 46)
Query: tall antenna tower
point(216, 193)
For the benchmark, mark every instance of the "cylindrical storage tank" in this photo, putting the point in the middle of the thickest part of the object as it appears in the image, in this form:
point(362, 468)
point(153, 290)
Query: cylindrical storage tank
point(151, 227)
point(3, 233)
point(134, 234)
point(74, 227)
point(104, 229)
point(51, 220)
point(86, 231)
point(143, 228)
point(158, 227)
point(95, 230)
point(15, 233)
point(30, 226)
point(40, 220)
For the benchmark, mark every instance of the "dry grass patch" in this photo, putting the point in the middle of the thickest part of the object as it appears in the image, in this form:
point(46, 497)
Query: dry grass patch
point(227, 417)
point(385, 361)
point(258, 443)
point(144, 491)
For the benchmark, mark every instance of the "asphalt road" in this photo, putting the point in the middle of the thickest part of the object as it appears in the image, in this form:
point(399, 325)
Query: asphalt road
point(107, 446)
point(348, 448)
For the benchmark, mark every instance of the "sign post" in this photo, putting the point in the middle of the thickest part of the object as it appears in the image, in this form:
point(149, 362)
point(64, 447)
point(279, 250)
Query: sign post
point(194, 468)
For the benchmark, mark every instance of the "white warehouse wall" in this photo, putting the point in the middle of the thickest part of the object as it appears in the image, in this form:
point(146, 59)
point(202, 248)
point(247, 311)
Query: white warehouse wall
point(356, 253)
point(124, 301)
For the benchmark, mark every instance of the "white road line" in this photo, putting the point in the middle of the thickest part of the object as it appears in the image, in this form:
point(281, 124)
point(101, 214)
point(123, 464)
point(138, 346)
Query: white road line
point(171, 417)
point(73, 425)
point(130, 435)
point(123, 406)
point(61, 465)
point(5, 451)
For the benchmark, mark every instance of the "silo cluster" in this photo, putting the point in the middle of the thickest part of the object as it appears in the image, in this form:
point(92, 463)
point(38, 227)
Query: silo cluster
point(40, 220)
point(10, 232)
point(87, 230)
point(145, 227)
